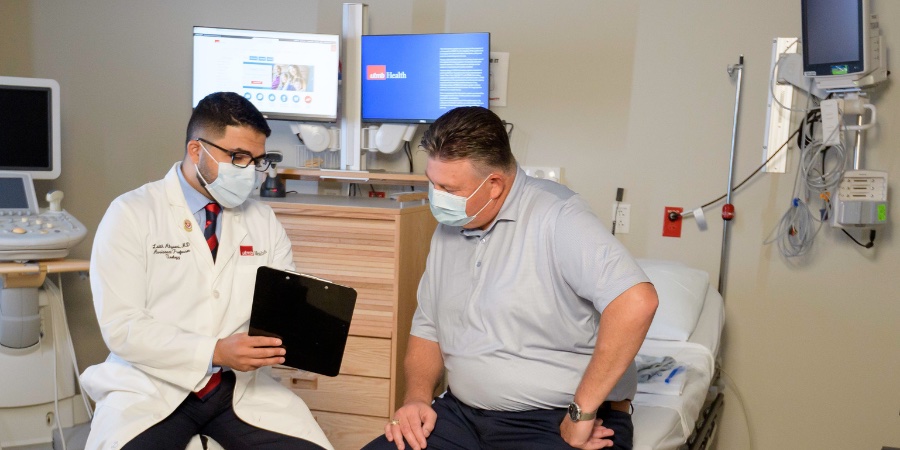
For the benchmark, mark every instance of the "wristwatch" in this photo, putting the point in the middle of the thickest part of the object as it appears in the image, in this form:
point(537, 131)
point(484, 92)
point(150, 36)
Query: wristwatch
point(577, 416)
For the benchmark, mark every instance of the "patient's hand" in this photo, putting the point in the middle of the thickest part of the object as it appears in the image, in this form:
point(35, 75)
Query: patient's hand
point(587, 434)
point(413, 421)
point(243, 352)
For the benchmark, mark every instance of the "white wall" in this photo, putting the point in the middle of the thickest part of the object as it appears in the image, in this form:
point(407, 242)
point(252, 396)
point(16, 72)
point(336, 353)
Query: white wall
point(619, 94)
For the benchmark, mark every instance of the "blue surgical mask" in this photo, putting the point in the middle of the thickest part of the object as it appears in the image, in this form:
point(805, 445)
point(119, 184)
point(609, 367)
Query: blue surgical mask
point(233, 185)
point(450, 209)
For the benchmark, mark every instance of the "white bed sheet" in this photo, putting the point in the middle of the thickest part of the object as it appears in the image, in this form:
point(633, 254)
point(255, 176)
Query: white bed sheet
point(664, 422)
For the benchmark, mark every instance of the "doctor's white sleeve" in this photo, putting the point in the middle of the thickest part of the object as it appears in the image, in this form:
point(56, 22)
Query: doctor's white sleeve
point(119, 282)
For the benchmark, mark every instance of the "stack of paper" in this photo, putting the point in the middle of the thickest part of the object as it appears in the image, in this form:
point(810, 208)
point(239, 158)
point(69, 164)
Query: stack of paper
point(669, 382)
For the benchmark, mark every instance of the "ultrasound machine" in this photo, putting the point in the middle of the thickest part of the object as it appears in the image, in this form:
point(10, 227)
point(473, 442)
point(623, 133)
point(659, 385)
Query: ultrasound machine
point(38, 392)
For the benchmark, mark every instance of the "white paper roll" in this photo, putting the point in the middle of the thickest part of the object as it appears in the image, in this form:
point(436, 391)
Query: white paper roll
point(700, 218)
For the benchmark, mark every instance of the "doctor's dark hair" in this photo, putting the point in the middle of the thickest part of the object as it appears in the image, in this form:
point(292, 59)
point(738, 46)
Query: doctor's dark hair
point(221, 109)
point(472, 133)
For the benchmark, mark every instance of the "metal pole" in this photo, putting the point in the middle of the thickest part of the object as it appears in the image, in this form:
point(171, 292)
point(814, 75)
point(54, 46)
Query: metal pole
point(728, 208)
point(355, 24)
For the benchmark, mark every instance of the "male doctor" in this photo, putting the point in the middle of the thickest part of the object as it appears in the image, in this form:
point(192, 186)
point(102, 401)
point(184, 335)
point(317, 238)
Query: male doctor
point(172, 273)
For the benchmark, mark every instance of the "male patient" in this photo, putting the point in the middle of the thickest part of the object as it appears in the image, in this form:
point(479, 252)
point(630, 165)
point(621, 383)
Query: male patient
point(531, 306)
point(173, 271)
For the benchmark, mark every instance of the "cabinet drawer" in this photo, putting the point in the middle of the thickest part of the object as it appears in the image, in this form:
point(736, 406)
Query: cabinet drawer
point(365, 356)
point(369, 357)
point(344, 393)
point(349, 432)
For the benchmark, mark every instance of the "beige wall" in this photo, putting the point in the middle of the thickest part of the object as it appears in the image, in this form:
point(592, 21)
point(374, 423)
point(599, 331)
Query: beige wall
point(805, 340)
point(619, 94)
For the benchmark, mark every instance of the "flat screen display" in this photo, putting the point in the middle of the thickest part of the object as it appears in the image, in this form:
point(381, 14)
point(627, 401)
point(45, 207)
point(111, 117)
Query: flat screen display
point(26, 128)
point(833, 36)
point(12, 193)
point(289, 76)
point(415, 78)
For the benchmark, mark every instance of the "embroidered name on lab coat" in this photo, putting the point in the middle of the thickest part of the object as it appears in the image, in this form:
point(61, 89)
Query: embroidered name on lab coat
point(171, 251)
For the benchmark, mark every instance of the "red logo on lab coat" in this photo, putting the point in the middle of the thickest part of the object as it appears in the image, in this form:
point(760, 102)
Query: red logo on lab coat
point(247, 250)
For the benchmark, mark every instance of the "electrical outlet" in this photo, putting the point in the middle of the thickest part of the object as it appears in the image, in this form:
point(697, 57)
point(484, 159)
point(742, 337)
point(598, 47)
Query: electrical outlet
point(550, 173)
point(672, 228)
point(621, 213)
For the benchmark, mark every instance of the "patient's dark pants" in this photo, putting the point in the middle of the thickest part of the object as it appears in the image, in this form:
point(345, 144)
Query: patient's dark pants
point(213, 416)
point(460, 427)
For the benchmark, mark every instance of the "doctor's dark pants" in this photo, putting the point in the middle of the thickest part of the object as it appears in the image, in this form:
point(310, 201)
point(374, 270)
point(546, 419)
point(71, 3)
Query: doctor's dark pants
point(213, 416)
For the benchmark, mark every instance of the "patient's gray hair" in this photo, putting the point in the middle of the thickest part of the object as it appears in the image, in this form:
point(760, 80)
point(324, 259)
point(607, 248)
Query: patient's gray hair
point(472, 133)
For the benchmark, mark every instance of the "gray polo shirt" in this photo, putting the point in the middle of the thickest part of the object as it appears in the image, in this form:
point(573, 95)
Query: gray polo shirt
point(516, 308)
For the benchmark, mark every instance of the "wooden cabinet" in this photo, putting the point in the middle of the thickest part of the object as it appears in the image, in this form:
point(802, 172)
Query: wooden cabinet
point(378, 247)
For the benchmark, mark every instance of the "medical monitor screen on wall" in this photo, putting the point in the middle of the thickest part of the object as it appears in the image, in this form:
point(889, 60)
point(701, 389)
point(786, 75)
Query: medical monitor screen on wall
point(415, 78)
point(29, 126)
point(833, 36)
point(289, 76)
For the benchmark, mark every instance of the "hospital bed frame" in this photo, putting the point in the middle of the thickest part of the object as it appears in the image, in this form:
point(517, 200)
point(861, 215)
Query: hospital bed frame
point(708, 422)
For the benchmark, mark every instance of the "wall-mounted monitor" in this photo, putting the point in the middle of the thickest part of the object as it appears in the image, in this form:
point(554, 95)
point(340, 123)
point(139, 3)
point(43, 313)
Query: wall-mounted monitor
point(834, 36)
point(29, 126)
point(288, 76)
point(415, 78)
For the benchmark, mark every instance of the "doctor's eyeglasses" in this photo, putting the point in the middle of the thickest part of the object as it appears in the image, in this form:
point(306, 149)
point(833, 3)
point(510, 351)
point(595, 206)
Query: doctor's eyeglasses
point(242, 158)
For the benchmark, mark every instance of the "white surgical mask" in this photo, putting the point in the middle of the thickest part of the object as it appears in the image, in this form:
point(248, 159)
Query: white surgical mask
point(450, 209)
point(232, 186)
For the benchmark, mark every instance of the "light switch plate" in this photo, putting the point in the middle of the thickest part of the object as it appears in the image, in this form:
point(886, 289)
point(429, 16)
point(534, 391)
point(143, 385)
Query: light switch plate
point(622, 214)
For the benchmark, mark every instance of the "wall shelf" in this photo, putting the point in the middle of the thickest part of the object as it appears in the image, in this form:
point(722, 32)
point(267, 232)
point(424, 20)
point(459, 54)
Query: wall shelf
point(354, 176)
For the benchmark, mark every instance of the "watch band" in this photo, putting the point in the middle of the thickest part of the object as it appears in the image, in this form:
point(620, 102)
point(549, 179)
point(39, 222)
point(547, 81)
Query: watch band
point(577, 415)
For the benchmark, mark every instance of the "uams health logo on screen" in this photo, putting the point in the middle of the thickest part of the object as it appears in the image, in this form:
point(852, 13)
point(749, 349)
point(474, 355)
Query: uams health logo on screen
point(381, 73)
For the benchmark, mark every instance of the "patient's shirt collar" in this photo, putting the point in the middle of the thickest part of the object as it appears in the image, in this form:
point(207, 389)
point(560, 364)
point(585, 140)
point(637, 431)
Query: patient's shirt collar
point(509, 212)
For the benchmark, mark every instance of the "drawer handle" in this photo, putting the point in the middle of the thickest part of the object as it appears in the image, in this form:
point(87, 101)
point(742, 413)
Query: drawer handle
point(302, 379)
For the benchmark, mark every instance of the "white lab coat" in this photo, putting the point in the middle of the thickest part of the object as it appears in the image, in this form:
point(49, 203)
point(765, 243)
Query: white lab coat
point(162, 304)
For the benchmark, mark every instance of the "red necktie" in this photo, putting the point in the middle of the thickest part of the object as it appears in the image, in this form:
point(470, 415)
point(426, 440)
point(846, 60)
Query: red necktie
point(212, 213)
point(214, 381)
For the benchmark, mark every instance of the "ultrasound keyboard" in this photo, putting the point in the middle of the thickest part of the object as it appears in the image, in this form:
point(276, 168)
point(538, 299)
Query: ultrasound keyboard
point(29, 233)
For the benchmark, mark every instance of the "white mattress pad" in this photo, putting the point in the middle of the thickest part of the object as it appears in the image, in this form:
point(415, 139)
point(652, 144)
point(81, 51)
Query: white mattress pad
point(665, 421)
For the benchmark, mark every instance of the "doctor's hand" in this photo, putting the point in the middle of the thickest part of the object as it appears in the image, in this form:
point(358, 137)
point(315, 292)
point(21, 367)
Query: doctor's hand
point(413, 421)
point(244, 352)
point(586, 434)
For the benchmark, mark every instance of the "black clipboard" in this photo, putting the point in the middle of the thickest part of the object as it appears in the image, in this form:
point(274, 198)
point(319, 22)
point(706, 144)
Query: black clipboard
point(310, 315)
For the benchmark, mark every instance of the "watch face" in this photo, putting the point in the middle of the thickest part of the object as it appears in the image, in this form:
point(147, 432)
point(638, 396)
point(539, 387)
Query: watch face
point(574, 412)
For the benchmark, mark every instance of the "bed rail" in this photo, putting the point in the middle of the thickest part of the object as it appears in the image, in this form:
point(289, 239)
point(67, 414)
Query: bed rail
point(707, 424)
